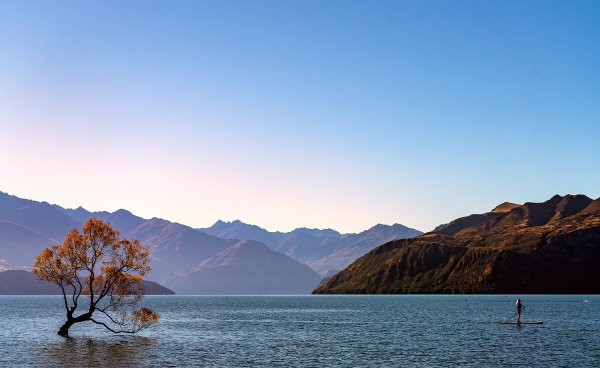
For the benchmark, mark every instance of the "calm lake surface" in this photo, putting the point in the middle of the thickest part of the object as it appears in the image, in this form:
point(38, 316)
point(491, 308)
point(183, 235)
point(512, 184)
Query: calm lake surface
point(313, 331)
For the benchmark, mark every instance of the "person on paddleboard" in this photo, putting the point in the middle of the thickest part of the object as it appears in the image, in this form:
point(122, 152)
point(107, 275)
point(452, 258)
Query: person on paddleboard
point(519, 307)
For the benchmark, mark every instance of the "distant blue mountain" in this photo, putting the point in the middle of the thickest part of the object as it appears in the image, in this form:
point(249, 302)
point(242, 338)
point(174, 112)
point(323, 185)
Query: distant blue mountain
point(323, 250)
point(249, 267)
point(26, 227)
point(20, 282)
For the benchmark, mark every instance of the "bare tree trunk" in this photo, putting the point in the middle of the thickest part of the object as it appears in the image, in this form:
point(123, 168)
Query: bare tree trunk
point(64, 329)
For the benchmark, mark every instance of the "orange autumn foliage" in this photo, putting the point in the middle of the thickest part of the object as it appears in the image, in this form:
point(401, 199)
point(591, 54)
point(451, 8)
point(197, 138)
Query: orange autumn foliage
point(108, 271)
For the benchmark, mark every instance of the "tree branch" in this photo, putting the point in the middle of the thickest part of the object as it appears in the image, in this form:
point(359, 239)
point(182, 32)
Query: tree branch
point(64, 296)
point(76, 298)
point(109, 316)
point(110, 329)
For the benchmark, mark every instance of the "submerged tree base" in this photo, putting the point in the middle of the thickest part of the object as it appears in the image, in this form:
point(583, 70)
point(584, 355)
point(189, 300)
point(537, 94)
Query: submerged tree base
point(64, 331)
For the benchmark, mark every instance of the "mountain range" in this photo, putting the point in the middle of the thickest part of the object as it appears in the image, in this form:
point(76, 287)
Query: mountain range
point(248, 267)
point(326, 251)
point(549, 247)
point(193, 260)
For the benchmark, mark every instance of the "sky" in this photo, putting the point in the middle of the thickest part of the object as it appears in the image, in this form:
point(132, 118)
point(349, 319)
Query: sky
point(328, 114)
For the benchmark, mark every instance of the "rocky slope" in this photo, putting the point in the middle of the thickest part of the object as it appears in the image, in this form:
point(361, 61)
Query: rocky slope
point(549, 247)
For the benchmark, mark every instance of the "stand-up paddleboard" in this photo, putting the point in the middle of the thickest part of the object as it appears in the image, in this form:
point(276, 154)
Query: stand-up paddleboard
point(522, 323)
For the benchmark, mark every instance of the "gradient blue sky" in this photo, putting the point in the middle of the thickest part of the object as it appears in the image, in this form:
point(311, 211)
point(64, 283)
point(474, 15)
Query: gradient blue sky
point(336, 114)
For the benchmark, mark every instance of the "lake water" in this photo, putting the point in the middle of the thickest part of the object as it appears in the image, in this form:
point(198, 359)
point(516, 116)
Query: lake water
point(313, 331)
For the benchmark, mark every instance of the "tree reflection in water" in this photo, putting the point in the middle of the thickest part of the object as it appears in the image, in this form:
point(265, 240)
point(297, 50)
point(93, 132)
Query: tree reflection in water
point(129, 351)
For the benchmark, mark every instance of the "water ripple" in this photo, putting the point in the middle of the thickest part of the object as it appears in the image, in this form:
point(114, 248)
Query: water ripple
point(313, 331)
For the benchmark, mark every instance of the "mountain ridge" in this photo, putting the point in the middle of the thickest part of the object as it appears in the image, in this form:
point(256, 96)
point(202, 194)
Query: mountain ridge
point(249, 267)
point(323, 250)
point(548, 247)
point(175, 248)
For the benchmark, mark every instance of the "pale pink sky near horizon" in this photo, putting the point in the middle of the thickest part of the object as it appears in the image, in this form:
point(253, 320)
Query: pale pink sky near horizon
point(57, 166)
point(286, 114)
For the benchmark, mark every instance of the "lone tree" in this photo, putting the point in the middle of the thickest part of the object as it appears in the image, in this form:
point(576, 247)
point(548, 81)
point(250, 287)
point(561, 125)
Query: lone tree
point(106, 270)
